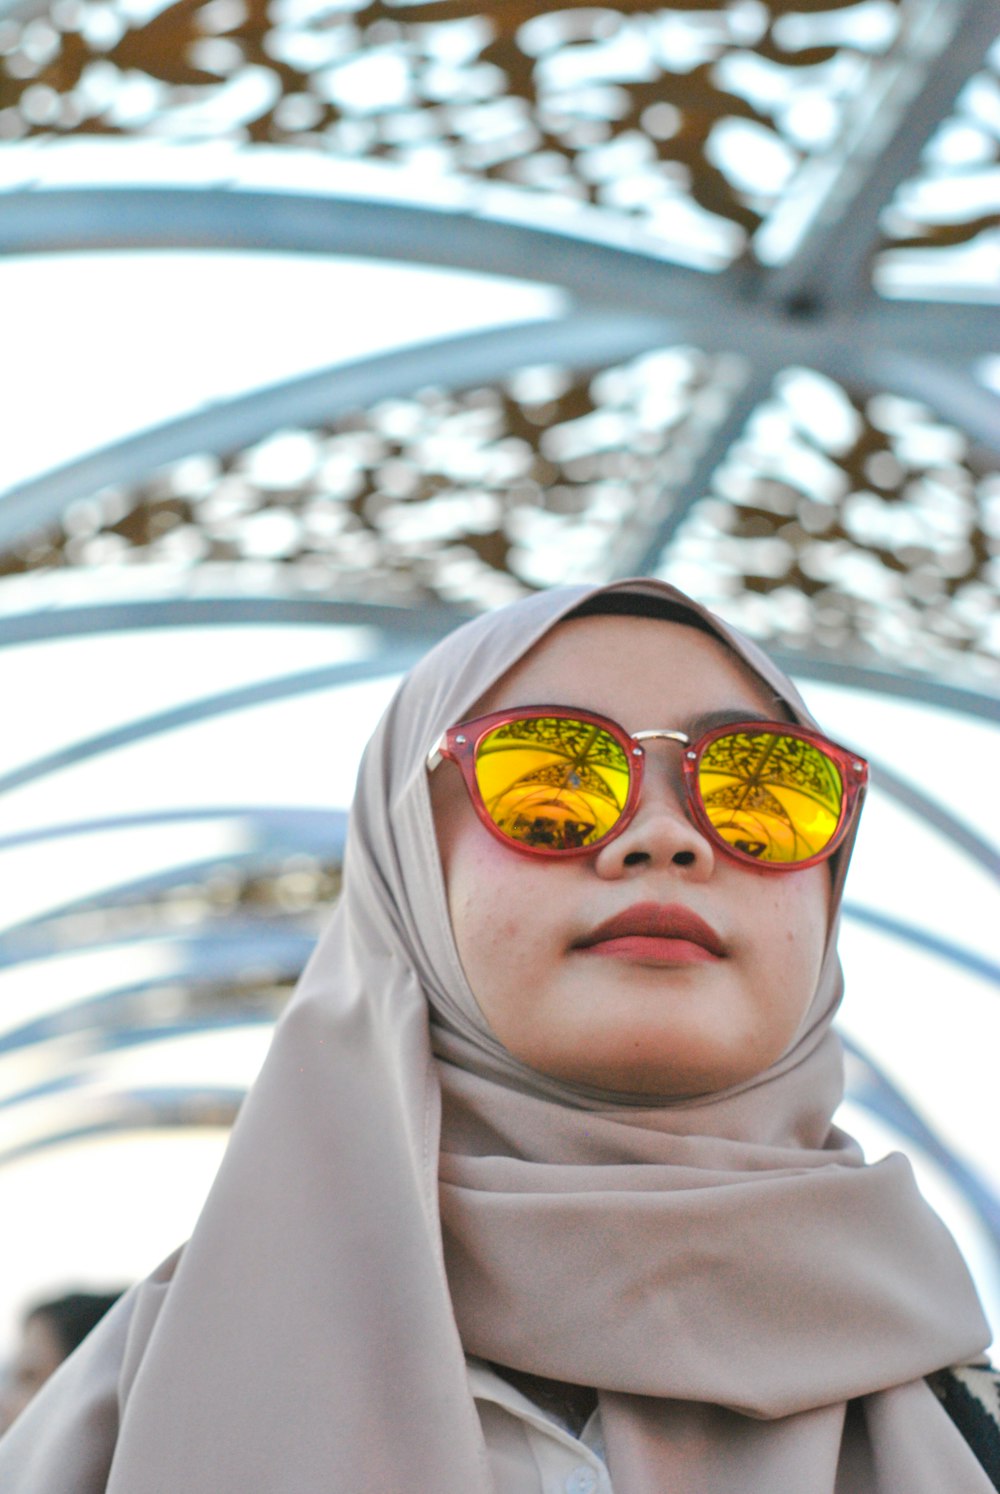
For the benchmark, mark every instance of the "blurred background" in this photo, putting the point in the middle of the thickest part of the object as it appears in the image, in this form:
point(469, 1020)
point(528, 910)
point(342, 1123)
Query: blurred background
point(327, 324)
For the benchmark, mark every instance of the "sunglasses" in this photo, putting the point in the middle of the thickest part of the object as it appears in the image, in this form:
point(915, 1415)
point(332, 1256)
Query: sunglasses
point(556, 781)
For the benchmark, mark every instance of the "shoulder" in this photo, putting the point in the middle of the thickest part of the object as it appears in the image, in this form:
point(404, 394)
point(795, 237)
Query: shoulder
point(970, 1393)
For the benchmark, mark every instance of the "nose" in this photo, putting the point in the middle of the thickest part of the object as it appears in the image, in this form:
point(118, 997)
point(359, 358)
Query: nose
point(661, 833)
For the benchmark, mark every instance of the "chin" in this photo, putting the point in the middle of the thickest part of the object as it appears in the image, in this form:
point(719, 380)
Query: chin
point(704, 1075)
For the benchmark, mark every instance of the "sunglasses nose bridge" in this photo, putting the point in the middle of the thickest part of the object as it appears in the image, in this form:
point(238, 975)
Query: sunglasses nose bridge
point(656, 734)
point(666, 772)
point(659, 734)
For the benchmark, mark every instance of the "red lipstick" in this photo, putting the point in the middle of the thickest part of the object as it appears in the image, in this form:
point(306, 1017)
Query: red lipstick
point(655, 933)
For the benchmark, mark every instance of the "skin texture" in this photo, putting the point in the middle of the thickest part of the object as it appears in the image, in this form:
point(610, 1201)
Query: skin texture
point(626, 1021)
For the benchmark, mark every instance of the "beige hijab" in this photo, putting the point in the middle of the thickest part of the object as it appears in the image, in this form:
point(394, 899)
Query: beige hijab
point(755, 1306)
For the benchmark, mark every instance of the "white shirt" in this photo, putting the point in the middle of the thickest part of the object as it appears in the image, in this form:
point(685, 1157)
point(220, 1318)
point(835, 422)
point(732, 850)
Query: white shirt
point(530, 1452)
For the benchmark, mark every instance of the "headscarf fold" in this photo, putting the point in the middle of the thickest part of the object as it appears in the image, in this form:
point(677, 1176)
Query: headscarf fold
point(755, 1306)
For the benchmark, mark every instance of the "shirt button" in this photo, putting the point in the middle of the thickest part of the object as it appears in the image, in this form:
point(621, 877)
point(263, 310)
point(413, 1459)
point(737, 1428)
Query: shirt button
point(582, 1480)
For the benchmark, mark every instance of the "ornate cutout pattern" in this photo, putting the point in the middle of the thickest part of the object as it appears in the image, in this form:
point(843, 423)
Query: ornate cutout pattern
point(689, 120)
point(470, 498)
point(864, 528)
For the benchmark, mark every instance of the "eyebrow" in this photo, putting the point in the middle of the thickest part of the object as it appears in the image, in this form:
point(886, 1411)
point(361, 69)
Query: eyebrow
point(726, 717)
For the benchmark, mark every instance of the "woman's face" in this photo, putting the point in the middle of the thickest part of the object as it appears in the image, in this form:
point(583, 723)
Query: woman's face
point(641, 1015)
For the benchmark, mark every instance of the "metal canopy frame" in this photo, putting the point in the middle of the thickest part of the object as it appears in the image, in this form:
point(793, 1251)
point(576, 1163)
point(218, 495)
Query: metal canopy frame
point(815, 306)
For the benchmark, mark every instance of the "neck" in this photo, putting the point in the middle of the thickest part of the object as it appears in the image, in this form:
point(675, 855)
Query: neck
point(573, 1405)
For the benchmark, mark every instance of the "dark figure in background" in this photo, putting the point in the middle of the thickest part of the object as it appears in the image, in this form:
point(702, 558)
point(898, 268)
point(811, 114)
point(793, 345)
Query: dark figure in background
point(50, 1331)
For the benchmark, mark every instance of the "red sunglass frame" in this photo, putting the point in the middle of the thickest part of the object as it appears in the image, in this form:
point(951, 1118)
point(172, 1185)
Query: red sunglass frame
point(460, 744)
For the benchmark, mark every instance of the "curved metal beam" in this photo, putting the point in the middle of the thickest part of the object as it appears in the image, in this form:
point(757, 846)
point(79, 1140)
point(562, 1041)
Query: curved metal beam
point(904, 368)
point(285, 687)
point(270, 824)
point(954, 829)
point(838, 197)
point(945, 949)
point(600, 273)
point(255, 214)
point(944, 384)
point(946, 387)
point(583, 340)
point(871, 1088)
point(957, 332)
point(927, 691)
point(425, 627)
point(210, 949)
point(39, 936)
point(421, 626)
point(137, 1110)
point(878, 356)
point(760, 376)
point(213, 958)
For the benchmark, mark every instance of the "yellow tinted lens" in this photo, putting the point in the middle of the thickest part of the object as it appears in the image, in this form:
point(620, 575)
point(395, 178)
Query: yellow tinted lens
point(774, 797)
point(552, 782)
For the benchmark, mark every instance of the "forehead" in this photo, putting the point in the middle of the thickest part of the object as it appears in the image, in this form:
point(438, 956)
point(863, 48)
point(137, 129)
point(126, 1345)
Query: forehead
point(637, 669)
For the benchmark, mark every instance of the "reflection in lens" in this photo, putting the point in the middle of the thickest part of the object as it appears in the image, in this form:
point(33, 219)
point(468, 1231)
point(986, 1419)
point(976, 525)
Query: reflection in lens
point(774, 797)
point(552, 781)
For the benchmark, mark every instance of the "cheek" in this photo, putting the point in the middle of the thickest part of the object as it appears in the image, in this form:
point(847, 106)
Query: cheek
point(483, 924)
point(800, 919)
point(504, 924)
point(485, 901)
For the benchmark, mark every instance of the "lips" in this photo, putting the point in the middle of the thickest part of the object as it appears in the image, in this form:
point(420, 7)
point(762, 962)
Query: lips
point(669, 921)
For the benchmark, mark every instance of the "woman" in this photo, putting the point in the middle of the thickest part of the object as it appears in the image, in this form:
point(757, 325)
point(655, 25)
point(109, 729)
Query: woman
point(538, 1186)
